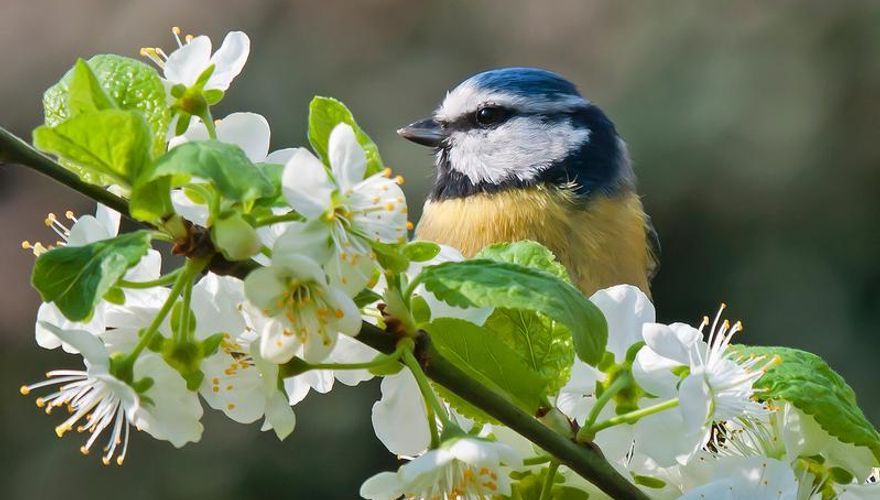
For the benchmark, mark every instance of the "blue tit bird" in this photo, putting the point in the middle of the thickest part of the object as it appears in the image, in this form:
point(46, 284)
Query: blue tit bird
point(520, 154)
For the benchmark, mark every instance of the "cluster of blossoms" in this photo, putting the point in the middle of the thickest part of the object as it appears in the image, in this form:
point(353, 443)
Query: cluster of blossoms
point(673, 408)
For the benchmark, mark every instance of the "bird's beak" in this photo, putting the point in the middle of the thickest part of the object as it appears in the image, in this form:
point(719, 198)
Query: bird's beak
point(426, 132)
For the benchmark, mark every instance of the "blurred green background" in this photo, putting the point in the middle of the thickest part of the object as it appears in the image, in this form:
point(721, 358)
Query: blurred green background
point(753, 125)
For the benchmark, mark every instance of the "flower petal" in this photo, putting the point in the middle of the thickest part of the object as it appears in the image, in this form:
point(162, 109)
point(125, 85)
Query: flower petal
point(249, 131)
point(399, 418)
point(215, 304)
point(263, 288)
point(275, 346)
point(185, 207)
point(382, 486)
point(305, 184)
point(311, 239)
point(677, 341)
point(175, 412)
point(91, 348)
point(654, 374)
point(229, 60)
point(347, 158)
point(279, 415)
point(185, 64)
point(281, 156)
point(626, 309)
point(694, 401)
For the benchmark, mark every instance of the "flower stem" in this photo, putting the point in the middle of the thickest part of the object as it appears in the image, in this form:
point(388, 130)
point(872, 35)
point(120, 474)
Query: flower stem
point(432, 405)
point(626, 418)
point(190, 269)
point(184, 330)
point(621, 383)
point(275, 219)
point(547, 487)
point(540, 459)
point(161, 281)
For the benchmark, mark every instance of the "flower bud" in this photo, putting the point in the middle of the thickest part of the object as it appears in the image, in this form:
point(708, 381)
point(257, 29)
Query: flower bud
point(235, 238)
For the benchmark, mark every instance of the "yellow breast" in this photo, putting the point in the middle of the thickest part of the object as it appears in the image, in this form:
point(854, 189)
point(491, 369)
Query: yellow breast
point(602, 242)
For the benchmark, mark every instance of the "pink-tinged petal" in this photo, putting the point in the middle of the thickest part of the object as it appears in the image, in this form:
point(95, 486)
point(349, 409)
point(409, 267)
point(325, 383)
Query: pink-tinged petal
point(249, 131)
point(229, 60)
point(185, 64)
point(305, 184)
point(347, 158)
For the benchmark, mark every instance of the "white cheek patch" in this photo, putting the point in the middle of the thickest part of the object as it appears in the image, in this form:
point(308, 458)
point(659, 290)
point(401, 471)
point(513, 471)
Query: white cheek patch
point(521, 149)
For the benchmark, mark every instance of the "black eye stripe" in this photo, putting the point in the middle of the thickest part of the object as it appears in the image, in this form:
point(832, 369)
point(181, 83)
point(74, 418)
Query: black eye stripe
point(467, 121)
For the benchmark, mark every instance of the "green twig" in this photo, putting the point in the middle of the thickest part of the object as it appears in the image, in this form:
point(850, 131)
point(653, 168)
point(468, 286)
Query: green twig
point(15, 151)
point(621, 383)
point(432, 405)
point(547, 487)
point(161, 281)
point(275, 219)
point(627, 418)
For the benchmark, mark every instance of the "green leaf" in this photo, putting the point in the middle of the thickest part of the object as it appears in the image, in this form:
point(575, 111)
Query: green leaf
point(85, 92)
point(543, 344)
point(324, 114)
point(807, 382)
point(488, 361)
point(526, 253)
point(75, 278)
point(485, 283)
point(421, 251)
point(131, 84)
point(110, 143)
point(224, 165)
point(150, 201)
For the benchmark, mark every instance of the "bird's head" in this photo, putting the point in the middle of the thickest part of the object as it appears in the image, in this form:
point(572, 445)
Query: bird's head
point(520, 127)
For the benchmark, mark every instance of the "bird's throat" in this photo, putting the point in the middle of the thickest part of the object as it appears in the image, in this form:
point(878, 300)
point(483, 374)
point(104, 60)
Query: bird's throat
point(602, 241)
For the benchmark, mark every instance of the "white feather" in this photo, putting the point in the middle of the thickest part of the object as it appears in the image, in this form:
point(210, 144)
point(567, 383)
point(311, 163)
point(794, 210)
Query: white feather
point(520, 148)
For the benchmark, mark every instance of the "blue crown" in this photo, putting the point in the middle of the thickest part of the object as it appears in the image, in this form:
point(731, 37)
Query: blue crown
point(525, 82)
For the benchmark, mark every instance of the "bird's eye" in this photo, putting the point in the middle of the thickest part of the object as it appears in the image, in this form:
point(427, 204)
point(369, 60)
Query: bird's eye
point(490, 115)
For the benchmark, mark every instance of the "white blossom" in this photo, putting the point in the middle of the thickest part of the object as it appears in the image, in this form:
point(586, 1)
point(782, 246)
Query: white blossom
point(237, 381)
point(193, 57)
point(345, 213)
point(463, 467)
point(307, 313)
point(99, 403)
